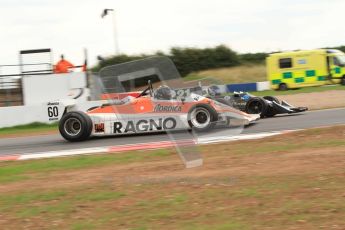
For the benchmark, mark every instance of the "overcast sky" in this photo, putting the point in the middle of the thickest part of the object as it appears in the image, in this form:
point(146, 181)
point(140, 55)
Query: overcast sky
point(144, 26)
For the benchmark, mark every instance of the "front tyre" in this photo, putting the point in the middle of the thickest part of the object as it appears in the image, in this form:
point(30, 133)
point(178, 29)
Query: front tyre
point(202, 118)
point(75, 126)
point(282, 87)
point(257, 105)
point(342, 81)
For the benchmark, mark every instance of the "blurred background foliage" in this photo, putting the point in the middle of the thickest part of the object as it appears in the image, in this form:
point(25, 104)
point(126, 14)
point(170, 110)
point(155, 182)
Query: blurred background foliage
point(189, 60)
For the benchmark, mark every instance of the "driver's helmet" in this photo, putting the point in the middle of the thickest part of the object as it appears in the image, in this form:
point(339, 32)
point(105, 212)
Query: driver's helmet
point(163, 93)
point(213, 91)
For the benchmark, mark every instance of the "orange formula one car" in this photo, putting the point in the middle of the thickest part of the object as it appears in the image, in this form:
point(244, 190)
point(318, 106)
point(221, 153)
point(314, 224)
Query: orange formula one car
point(151, 111)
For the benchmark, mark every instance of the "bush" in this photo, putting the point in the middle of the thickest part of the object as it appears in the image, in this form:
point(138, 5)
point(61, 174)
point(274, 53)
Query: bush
point(187, 60)
point(253, 57)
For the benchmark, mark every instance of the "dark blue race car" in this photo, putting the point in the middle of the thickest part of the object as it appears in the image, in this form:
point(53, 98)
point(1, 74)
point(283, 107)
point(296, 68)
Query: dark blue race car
point(267, 106)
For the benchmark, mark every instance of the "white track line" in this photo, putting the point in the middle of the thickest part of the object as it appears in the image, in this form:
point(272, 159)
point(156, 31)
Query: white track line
point(138, 146)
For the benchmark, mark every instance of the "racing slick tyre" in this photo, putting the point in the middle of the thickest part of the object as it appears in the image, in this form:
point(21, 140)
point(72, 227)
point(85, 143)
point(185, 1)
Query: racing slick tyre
point(342, 82)
point(257, 105)
point(271, 112)
point(75, 126)
point(202, 117)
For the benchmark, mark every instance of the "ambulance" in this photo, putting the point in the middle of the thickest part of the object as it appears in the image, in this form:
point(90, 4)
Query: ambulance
point(297, 69)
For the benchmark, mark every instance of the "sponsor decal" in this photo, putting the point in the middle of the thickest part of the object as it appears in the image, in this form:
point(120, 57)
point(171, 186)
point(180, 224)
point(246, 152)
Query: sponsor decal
point(53, 119)
point(53, 103)
point(167, 108)
point(99, 128)
point(240, 104)
point(145, 125)
point(196, 98)
point(53, 113)
point(246, 97)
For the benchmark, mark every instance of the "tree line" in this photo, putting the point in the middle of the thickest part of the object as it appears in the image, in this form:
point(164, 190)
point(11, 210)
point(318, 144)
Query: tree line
point(188, 60)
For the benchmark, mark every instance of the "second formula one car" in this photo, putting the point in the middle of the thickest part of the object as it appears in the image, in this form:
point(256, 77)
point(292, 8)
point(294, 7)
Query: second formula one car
point(267, 106)
point(150, 111)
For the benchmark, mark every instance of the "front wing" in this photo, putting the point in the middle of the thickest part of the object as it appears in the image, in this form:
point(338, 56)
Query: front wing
point(285, 107)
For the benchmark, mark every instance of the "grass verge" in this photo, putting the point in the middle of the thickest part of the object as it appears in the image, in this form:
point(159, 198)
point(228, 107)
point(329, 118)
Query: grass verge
point(35, 127)
point(295, 180)
point(24, 170)
point(237, 74)
point(301, 90)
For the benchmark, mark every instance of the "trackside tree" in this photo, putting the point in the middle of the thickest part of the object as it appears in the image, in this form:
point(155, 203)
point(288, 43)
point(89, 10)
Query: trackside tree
point(187, 60)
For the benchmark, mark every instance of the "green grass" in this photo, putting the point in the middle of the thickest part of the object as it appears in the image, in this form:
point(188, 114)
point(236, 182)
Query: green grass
point(100, 196)
point(28, 128)
point(237, 74)
point(19, 171)
point(51, 202)
point(300, 200)
point(301, 90)
point(28, 197)
point(276, 147)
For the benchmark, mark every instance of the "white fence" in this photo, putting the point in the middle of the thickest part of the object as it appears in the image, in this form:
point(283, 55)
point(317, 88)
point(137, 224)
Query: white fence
point(38, 89)
point(20, 115)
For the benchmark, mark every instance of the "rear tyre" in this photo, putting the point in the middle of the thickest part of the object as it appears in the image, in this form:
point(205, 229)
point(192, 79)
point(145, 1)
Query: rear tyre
point(282, 87)
point(202, 118)
point(75, 126)
point(257, 105)
point(342, 81)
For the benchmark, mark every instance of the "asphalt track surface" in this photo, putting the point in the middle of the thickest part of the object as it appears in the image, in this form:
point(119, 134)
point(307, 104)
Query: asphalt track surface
point(34, 144)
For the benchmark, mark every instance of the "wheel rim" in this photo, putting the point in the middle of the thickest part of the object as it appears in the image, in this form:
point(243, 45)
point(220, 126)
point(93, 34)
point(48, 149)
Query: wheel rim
point(200, 118)
point(255, 107)
point(282, 87)
point(72, 126)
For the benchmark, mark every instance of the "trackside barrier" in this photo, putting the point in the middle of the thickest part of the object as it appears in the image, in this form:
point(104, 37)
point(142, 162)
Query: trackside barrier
point(262, 86)
point(38, 89)
point(245, 87)
point(22, 115)
point(242, 87)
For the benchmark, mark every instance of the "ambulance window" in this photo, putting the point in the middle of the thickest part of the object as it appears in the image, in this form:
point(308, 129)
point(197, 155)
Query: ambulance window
point(285, 63)
point(336, 61)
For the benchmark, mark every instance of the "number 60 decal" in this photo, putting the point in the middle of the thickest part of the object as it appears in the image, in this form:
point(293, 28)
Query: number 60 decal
point(53, 112)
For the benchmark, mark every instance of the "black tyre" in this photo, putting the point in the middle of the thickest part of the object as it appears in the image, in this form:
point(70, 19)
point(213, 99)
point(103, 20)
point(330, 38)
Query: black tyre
point(202, 117)
point(342, 82)
point(75, 126)
point(257, 105)
point(271, 112)
point(282, 87)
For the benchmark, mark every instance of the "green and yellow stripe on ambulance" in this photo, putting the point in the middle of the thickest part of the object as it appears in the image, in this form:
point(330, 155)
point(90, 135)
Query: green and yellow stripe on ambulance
point(299, 78)
point(337, 73)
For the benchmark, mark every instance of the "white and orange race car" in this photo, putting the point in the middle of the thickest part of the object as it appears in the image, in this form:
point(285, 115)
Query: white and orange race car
point(150, 111)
